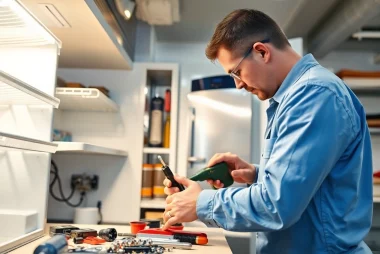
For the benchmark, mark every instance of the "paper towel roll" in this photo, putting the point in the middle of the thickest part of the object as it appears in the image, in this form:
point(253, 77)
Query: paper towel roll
point(86, 215)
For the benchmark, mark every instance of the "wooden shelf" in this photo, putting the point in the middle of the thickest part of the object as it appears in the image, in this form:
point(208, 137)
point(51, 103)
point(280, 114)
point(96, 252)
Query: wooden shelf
point(156, 150)
point(376, 199)
point(156, 203)
point(16, 92)
point(84, 148)
point(19, 142)
point(363, 85)
point(84, 99)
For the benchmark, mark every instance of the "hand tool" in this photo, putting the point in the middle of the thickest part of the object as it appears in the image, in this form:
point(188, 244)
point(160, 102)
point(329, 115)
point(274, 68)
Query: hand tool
point(85, 232)
point(108, 234)
point(169, 174)
point(182, 236)
point(55, 245)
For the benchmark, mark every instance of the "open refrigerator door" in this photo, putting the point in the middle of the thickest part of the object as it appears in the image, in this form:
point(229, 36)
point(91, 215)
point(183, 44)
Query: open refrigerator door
point(28, 53)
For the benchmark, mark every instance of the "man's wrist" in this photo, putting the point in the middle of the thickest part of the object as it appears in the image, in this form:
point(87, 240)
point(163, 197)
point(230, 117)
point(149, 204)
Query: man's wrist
point(256, 174)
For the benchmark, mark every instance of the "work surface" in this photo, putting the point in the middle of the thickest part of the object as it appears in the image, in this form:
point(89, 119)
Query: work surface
point(216, 241)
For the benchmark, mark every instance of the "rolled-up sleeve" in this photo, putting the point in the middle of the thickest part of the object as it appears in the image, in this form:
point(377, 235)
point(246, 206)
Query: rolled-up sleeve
point(314, 128)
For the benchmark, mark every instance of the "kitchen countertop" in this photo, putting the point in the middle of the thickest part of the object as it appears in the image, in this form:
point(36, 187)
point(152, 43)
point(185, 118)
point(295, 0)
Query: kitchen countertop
point(216, 240)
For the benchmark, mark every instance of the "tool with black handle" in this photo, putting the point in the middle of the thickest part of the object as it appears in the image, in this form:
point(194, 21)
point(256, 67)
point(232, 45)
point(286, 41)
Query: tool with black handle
point(169, 174)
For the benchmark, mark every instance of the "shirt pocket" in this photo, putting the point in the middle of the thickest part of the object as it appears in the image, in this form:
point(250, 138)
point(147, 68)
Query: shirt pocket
point(268, 147)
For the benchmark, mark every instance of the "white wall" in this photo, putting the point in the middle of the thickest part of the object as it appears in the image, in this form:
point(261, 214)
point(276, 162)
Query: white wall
point(119, 177)
point(146, 41)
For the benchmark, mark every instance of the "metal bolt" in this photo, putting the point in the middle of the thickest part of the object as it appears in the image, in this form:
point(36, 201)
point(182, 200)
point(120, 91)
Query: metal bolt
point(160, 250)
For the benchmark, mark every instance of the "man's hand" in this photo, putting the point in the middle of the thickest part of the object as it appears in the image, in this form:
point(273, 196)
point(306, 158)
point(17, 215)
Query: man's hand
point(241, 171)
point(181, 206)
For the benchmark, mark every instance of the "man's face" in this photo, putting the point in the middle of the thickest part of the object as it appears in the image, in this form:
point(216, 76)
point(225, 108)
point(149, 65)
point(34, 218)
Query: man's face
point(253, 71)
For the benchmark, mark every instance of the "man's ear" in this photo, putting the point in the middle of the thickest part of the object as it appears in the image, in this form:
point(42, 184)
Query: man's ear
point(263, 50)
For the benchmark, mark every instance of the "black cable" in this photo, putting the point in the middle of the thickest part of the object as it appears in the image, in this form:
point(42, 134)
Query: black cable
point(52, 192)
point(82, 195)
point(57, 198)
point(99, 205)
point(56, 177)
point(63, 198)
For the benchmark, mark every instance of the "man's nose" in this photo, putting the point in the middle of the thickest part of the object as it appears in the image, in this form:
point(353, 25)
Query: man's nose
point(239, 84)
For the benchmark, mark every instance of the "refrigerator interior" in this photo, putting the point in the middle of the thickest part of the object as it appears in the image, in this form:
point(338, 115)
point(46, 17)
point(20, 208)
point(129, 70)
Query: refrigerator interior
point(28, 53)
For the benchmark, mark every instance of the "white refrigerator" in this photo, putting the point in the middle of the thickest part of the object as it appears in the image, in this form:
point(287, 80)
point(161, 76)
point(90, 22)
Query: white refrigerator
point(221, 119)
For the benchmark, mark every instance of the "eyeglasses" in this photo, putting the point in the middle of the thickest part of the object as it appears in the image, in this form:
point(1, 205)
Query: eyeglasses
point(233, 73)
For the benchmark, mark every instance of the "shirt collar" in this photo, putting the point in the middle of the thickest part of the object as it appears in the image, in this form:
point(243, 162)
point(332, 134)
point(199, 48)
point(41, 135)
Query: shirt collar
point(295, 73)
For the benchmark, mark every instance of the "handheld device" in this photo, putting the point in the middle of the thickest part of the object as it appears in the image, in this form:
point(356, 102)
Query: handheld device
point(169, 174)
point(85, 232)
point(217, 172)
point(65, 229)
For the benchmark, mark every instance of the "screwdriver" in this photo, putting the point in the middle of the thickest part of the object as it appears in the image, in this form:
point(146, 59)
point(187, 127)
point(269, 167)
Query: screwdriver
point(169, 174)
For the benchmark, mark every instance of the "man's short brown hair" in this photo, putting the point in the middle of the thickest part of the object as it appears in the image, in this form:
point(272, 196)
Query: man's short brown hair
point(243, 27)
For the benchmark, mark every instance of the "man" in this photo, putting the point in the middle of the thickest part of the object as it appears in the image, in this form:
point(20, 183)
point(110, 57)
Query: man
point(312, 192)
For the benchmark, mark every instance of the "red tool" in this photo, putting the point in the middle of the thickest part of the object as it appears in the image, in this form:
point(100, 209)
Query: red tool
point(93, 240)
point(182, 236)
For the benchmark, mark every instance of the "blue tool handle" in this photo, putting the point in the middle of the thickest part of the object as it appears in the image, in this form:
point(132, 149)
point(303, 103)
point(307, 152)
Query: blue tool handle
point(55, 245)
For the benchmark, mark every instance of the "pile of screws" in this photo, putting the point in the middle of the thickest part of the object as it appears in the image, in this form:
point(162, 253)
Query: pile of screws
point(134, 245)
point(125, 245)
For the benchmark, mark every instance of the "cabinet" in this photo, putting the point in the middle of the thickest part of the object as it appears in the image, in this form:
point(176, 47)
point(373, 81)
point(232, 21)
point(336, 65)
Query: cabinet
point(158, 78)
point(119, 177)
point(93, 38)
point(28, 53)
point(98, 146)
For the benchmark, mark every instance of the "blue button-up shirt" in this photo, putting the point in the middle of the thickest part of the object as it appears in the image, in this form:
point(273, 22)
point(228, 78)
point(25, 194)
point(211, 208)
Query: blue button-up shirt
point(313, 192)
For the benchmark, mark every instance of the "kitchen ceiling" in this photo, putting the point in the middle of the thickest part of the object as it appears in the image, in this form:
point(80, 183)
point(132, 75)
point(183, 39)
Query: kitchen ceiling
point(298, 18)
point(200, 17)
point(87, 45)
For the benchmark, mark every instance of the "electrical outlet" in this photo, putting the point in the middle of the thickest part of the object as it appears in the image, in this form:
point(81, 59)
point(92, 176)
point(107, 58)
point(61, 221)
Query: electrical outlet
point(84, 182)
